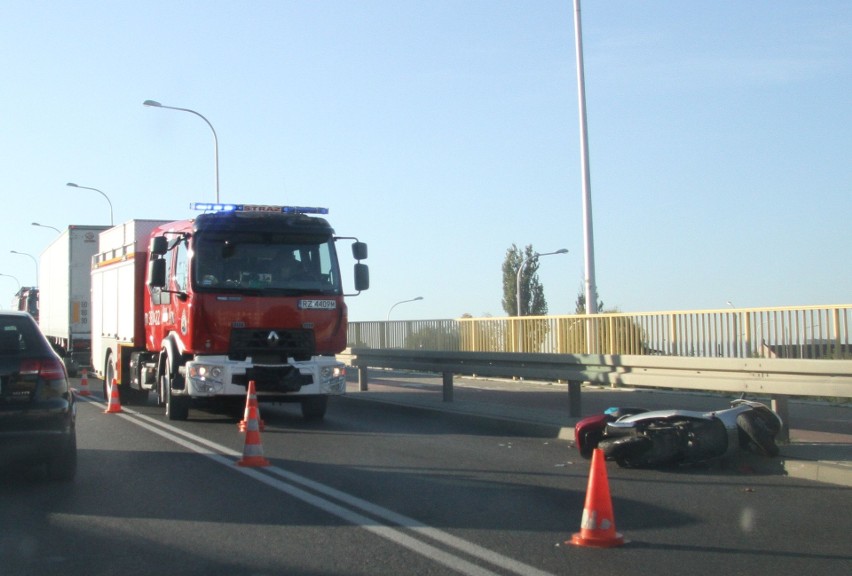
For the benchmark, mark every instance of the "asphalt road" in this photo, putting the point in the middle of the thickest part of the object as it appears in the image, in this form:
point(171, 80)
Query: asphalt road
point(378, 489)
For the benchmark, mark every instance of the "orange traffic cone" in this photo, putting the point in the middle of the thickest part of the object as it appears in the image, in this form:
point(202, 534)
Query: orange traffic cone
point(252, 451)
point(114, 406)
point(251, 400)
point(598, 525)
point(84, 384)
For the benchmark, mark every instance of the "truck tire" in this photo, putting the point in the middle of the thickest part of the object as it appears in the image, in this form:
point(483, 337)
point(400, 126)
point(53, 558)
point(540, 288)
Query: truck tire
point(109, 375)
point(314, 407)
point(177, 407)
point(127, 394)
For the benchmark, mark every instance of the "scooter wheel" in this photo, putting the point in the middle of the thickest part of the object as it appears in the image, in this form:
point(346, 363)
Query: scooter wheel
point(627, 451)
point(759, 433)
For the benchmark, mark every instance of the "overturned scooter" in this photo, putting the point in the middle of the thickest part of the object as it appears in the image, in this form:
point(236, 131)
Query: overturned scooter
point(638, 438)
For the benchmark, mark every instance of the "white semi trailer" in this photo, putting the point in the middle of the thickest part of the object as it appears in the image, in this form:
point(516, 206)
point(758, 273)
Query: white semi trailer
point(65, 293)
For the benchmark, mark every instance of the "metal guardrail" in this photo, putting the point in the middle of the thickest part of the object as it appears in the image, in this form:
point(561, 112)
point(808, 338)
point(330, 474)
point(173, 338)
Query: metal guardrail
point(778, 378)
point(786, 332)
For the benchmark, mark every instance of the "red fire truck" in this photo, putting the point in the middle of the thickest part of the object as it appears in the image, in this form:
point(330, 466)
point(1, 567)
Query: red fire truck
point(195, 309)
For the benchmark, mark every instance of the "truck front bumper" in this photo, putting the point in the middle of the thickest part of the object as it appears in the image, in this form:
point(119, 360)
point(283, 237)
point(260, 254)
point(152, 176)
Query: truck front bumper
point(218, 376)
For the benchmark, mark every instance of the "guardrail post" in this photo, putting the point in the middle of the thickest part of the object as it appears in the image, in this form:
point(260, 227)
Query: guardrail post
point(780, 406)
point(574, 398)
point(362, 378)
point(448, 386)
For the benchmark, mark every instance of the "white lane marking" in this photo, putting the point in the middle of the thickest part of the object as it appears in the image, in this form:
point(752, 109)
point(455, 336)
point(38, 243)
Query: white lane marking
point(217, 453)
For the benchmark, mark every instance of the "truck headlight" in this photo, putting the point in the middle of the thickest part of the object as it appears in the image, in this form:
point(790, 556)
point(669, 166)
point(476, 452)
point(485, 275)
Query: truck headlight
point(333, 379)
point(330, 372)
point(206, 377)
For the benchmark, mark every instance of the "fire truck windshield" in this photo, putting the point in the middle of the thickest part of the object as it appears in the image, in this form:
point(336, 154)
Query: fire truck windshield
point(265, 262)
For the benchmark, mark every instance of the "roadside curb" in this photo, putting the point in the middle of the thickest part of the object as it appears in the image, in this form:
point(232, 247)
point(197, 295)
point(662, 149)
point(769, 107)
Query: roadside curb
point(838, 473)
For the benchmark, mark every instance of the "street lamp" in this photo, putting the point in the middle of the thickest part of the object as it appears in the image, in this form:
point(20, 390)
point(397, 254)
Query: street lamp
point(46, 226)
point(402, 302)
point(99, 192)
point(33, 259)
point(521, 268)
point(13, 278)
point(155, 104)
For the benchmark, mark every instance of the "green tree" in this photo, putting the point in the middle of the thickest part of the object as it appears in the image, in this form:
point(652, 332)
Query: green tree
point(532, 298)
point(580, 306)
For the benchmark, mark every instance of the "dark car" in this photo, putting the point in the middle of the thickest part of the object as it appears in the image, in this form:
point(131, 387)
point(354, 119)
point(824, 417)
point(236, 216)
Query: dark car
point(37, 408)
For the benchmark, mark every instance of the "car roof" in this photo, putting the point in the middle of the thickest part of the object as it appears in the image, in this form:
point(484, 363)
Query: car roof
point(14, 313)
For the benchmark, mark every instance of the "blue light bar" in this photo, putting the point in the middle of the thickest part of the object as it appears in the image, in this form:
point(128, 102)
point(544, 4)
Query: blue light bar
point(256, 208)
point(210, 207)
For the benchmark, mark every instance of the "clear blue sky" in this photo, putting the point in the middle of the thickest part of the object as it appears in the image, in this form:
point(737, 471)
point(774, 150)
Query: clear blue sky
point(441, 132)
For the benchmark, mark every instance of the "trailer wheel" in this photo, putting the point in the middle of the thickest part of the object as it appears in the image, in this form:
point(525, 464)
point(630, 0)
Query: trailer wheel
point(177, 407)
point(314, 407)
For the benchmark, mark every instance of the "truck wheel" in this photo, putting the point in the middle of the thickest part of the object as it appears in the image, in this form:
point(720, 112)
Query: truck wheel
point(314, 407)
point(109, 375)
point(177, 407)
point(127, 394)
point(71, 366)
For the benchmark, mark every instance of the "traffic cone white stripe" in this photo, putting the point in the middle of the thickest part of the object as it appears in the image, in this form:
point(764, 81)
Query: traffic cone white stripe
point(252, 450)
point(251, 401)
point(114, 406)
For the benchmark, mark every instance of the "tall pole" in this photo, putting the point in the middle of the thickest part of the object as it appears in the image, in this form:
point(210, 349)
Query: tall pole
point(33, 258)
point(46, 226)
point(72, 185)
point(13, 278)
point(588, 233)
point(386, 332)
point(403, 302)
point(521, 268)
point(155, 104)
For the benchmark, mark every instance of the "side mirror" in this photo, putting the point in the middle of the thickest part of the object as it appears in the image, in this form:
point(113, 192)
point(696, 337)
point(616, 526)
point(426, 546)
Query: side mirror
point(157, 273)
point(359, 250)
point(362, 277)
point(159, 245)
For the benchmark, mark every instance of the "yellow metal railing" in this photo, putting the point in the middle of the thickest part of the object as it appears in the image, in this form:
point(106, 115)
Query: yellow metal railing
point(786, 332)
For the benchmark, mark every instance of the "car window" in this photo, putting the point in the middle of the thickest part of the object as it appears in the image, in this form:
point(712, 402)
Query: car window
point(10, 340)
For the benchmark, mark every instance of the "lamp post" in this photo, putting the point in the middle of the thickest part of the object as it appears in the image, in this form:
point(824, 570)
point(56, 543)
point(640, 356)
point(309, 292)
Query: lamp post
point(402, 302)
point(99, 192)
point(588, 233)
point(13, 278)
point(33, 259)
point(46, 226)
point(521, 268)
point(155, 104)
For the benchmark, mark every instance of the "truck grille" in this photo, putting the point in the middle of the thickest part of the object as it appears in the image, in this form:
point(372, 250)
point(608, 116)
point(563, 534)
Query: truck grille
point(274, 379)
point(271, 346)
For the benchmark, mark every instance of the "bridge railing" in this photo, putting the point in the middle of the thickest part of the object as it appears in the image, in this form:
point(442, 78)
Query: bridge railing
point(809, 332)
